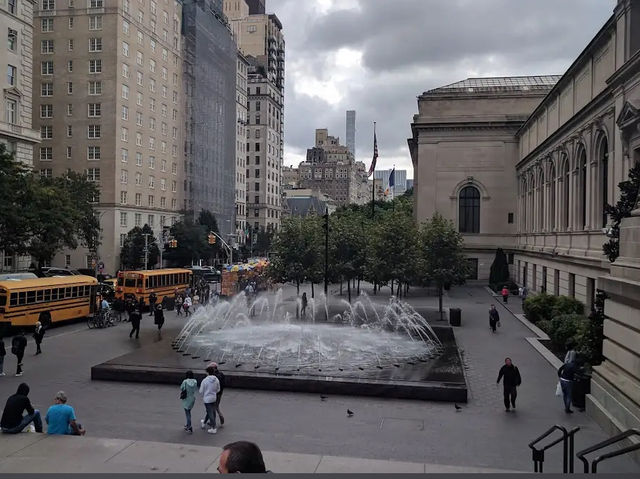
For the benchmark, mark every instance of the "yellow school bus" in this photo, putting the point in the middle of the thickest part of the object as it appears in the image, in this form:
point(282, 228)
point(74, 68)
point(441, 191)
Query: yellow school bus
point(48, 300)
point(162, 282)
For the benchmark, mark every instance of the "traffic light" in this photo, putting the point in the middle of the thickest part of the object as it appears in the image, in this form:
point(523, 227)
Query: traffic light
point(212, 239)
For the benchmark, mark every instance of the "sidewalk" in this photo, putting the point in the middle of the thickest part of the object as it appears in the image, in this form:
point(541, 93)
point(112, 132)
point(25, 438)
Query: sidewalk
point(40, 453)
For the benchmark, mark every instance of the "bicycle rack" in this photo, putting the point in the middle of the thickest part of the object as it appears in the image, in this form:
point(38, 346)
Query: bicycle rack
point(567, 440)
point(609, 442)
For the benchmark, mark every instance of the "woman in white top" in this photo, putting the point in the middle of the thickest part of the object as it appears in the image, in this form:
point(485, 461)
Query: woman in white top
point(209, 389)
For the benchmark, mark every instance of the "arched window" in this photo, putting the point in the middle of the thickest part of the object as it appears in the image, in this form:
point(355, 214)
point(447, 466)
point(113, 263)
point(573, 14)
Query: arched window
point(469, 215)
point(540, 205)
point(552, 198)
point(523, 205)
point(582, 191)
point(566, 180)
point(604, 178)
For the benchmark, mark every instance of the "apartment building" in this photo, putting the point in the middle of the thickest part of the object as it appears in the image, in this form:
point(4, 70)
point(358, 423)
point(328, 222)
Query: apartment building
point(108, 79)
point(242, 70)
point(16, 133)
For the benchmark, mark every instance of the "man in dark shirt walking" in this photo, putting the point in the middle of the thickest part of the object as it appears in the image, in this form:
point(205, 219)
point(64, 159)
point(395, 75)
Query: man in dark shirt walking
point(494, 318)
point(18, 345)
point(511, 381)
point(135, 316)
point(13, 421)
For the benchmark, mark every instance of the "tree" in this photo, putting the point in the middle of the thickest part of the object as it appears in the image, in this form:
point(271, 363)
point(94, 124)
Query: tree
point(208, 221)
point(347, 247)
point(14, 194)
point(628, 199)
point(443, 255)
point(499, 273)
point(192, 243)
point(132, 252)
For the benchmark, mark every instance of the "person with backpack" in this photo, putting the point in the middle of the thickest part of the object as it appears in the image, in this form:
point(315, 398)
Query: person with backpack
point(494, 318)
point(3, 353)
point(186, 305)
point(158, 319)
point(38, 334)
point(18, 345)
point(135, 316)
point(188, 390)
point(567, 376)
point(178, 304)
point(153, 298)
point(511, 382)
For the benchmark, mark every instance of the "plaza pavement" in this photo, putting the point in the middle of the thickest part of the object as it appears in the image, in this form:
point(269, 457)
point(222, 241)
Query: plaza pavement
point(400, 434)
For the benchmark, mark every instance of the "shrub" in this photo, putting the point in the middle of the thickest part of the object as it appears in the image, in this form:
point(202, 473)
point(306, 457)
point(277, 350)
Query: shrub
point(539, 307)
point(545, 325)
point(589, 341)
point(566, 305)
point(566, 327)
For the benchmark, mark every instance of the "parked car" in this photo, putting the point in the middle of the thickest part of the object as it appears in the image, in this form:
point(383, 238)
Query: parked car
point(17, 276)
point(50, 272)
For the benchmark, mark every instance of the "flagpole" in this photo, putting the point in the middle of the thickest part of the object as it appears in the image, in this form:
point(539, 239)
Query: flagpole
point(373, 188)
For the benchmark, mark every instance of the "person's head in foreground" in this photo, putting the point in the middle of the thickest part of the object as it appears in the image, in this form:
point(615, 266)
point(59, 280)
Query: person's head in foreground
point(241, 456)
point(508, 362)
point(61, 398)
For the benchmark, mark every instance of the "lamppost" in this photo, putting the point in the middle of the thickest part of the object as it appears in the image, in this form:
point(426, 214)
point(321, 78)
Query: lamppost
point(326, 253)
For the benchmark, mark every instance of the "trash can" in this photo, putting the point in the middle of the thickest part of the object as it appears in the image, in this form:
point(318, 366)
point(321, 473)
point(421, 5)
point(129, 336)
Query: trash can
point(455, 317)
point(580, 388)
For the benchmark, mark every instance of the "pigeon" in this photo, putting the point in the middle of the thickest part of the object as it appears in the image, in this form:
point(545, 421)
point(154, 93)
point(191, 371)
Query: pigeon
point(323, 398)
point(458, 408)
point(349, 413)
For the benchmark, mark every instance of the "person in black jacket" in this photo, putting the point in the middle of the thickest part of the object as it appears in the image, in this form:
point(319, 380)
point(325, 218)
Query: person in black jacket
point(18, 345)
point(158, 318)
point(38, 334)
point(13, 421)
point(494, 318)
point(3, 353)
point(511, 382)
point(135, 317)
point(153, 298)
point(567, 375)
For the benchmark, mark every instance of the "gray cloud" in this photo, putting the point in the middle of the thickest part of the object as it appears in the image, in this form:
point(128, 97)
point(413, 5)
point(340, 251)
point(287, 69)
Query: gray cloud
point(410, 46)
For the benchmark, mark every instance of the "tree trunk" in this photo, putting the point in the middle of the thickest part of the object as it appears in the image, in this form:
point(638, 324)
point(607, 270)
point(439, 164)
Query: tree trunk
point(375, 288)
point(358, 286)
point(298, 286)
point(349, 290)
point(313, 291)
point(340, 288)
point(392, 287)
point(440, 302)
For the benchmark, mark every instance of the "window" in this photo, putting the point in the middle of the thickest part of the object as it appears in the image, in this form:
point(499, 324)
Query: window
point(139, 78)
point(94, 110)
point(12, 111)
point(152, 162)
point(138, 159)
point(12, 39)
point(46, 68)
point(123, 197)
point(125, 49)
point(95, 45)
point(69, 109)
point(469, 210)
point(125, 112)
point(139, 58)
point(138, 139)
point(163, 166)
point(140, 38)
point(603, 155)
point(46, 89)
point(151, 218)
point(151, 201)
point(510, 218)
point(46, 47)
point(95, 88)
point(46, 173)
point(96, 3)
point(48, 4)
point(152, 66)
point(68, 152)
point(124, 177)
point(138, 182)
point(125, 27)
point(152, 182)
point(93, 153)
point(70, 45)
point(93, 132)
point(46, 153)
point(165, 54)
point(69, 88)
point(46, 111)
point(124, 155)
point(174, 186)
point(152, 143)
point(123, 219)
point(95, 22)
point(139, 99)
point(152, 44)
point(70, 66)
point(125, 6)
point(95, 66)
point(582, 189)
point(11, 75)
point(152, 85)
point(251, 29)
point(138, 199)
point(46, 132)
point(123, 238)
point(163, 184)
point(152, 104)
point(124, 134)
point(139, 118)
point(138, 219)
point(125, 92)
point(69, 131)
point(140, 16)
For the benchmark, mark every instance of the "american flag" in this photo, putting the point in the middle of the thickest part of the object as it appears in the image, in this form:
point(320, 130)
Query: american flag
point(375, 153)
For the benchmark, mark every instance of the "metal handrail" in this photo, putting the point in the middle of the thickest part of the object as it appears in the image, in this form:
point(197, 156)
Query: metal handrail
point(567, 440)
point(609, 442)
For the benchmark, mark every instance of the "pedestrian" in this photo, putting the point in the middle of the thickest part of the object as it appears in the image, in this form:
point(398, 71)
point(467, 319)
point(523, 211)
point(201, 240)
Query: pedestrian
point(61, 418)
point(178, 306)
point(135, 316)
point(494, 318)
point(505, 294)
point(18, 345)
point(186, 305)
point(13, 421)
point(141, 305)
point(38, 334)
point(523, 295)
point(567, 375)
point(153, 298)
point(572, 354)
point(241, 457)
point(158, 319)
point(510, 383)
point(3, 353)
point(221, 379)
point(304, 305)
point(209, 389)
point(188, 390)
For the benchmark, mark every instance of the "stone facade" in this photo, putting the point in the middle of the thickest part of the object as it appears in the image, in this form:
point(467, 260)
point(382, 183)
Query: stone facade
point(241, 148)
point(527, 164)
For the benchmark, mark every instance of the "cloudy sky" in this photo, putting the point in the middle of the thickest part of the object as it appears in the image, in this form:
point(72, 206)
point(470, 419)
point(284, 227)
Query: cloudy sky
point(377, 56)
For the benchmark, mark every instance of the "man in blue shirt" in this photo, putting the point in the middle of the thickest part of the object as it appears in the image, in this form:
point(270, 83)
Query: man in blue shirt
point(61, 418)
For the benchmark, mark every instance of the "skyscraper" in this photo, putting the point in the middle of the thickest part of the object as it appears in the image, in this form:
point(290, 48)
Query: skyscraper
point(351, 131)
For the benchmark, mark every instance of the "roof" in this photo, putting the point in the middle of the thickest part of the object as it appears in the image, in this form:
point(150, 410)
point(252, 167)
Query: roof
point(499, 84)
point(305, 205)
point(156, 272)
point(43, 282)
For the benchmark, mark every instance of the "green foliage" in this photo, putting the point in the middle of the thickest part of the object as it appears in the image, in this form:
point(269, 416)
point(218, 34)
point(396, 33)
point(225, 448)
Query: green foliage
point(566, 305)
point(132, 252)
point(546, 307)
point(589, 341)
point(628, 198)
point(499, 269)
point(192, 243)
point(566, 327)
point(41, 216)
point(545, 325)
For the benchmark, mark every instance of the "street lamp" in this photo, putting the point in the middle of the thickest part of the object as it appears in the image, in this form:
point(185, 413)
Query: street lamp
point(326, 253)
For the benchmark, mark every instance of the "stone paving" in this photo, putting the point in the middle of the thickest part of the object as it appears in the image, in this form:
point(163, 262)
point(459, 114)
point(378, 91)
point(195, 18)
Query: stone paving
point(481, 435)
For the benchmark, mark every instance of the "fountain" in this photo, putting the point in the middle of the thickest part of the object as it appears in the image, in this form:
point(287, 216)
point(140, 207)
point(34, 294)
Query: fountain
point(363, 348)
